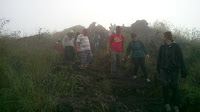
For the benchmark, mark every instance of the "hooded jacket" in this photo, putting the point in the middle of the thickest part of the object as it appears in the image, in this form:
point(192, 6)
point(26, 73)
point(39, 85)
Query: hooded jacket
point(170, 57)
point(138, 49)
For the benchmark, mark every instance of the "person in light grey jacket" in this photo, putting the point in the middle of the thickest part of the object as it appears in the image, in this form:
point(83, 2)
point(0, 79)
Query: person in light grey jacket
point(68, 44)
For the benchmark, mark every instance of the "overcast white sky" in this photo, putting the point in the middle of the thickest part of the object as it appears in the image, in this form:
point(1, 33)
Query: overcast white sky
point(28, 15)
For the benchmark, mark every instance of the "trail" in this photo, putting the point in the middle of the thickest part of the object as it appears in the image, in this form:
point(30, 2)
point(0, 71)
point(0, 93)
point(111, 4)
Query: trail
point(136, 94)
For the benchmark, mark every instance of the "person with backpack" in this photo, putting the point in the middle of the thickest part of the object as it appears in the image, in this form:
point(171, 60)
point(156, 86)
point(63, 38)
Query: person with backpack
point(96, 39)
point(115, 48)
point(170, 61)
point(138, 56)
point(69, 46)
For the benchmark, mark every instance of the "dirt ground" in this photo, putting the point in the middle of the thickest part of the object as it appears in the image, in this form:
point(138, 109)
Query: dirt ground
point(137, 94)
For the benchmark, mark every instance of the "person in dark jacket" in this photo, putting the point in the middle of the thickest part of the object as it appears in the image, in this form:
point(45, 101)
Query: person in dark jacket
point(138, 56)
point(170, 61)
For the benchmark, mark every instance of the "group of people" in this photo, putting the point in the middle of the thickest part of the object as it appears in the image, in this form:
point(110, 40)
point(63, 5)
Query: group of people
point(116, 49)
point(170, 58)
point(77, 46)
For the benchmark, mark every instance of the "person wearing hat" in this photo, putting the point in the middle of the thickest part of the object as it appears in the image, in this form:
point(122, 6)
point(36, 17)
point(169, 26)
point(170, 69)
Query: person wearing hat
point(69, 46)
point(170, 61)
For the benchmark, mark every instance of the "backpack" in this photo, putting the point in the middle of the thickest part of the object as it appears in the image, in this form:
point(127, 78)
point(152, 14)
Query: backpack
point(141, 45)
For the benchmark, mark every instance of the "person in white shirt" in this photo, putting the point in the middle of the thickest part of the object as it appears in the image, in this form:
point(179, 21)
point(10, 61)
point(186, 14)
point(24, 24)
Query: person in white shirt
point(68, 44)
point(83, 47)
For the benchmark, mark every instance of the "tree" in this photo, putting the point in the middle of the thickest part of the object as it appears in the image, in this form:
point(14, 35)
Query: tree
point(140, 27)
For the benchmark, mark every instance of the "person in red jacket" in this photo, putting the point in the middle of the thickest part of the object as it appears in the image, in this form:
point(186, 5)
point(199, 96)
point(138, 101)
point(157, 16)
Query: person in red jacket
point(115, 48)
point(58, 46)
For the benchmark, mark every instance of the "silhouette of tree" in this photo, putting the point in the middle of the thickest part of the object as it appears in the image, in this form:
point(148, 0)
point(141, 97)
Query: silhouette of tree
point(140, 27)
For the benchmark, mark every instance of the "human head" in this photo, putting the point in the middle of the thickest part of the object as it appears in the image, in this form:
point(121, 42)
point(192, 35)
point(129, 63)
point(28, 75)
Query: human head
point(67, 33)
point(167, 36)
point(71, 33)
point(118, 29)
point(59, 41)
point(85, 32)
point(77, 33)
point(133, 36)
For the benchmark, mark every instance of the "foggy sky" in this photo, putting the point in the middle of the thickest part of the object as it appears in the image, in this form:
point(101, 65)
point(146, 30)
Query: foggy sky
point(55, 15)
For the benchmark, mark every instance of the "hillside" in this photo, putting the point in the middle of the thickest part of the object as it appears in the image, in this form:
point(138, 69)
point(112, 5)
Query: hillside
point(34, 78)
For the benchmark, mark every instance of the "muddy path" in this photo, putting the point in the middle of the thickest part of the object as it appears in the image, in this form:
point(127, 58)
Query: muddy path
point(137, 95)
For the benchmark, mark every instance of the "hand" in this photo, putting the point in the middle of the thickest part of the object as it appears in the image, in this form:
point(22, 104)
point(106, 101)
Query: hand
point(147, 56)
point(129, 58)
point(108, 53)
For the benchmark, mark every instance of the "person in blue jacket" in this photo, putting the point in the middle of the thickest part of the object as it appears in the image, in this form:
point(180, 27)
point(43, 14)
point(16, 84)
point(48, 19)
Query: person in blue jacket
point(138, 56)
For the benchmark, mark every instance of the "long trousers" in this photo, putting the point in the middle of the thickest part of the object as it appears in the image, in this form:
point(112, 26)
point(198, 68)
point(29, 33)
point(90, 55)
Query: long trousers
point(116, 63)
point(139, 62)
point(69, 53)
point(173, 84)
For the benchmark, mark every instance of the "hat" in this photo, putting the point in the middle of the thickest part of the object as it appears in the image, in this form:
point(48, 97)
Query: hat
point(71, 31)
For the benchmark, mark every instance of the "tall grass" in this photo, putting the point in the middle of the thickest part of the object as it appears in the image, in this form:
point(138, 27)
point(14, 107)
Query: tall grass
point(24, 72)
point(33, 79)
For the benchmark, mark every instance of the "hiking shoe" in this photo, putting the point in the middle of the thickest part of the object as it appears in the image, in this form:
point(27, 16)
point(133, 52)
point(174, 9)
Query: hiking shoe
point(134, 77)
point(168, 108)
point(176, 109)
point(148, 80)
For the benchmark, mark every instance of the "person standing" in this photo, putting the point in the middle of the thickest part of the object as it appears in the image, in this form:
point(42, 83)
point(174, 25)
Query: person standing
point(58, 46)
point(77, 54)
point(170, 61)
point(77, 34)
point(138, 56)
point(83, 47)
point(115, 48)
point(69, 46)
point(110, 32)
point(96, 41)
